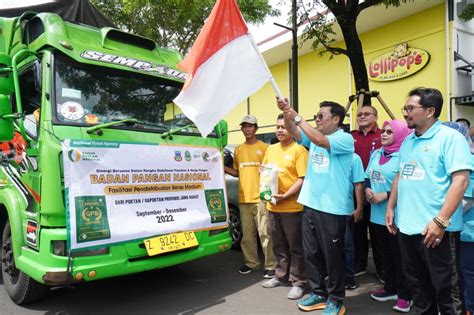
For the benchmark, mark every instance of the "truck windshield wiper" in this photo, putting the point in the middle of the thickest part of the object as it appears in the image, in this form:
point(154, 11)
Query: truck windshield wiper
point(97, 128)
point(173, 131)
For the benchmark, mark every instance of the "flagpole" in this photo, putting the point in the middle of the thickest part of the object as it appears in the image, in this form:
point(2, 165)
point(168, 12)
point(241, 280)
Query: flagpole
point(272, 80)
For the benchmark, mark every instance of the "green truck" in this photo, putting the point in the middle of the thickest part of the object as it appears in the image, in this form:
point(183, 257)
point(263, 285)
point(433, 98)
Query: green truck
point(105, 176)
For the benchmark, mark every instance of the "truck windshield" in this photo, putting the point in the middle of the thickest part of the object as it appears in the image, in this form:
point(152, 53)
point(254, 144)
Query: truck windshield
point(90, 95)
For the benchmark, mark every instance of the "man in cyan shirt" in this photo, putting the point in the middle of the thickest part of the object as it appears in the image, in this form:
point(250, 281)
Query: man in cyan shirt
point(326, 196)
point(247, 159)
point(435, 165)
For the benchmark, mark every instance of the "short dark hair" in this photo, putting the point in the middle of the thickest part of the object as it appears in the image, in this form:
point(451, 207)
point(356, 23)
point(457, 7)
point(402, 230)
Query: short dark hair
point(373, 108)
point(468, 123)
point(336, 110)
point(281, 116)
point(429, 97)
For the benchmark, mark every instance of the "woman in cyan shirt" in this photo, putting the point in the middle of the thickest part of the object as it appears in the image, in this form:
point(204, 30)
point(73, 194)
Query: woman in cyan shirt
point(382, 168)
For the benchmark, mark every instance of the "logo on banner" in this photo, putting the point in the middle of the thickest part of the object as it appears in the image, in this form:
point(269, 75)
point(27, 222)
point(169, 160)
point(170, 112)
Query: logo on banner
point(216, 205)
point(398, 64)
point(177, 156)
point(91, 217)
point(187, 156)
point(74, 155)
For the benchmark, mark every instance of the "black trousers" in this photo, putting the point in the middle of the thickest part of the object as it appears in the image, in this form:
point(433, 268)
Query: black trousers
point(361, 244)
point(429, 272)
point(395, 280)
point(323, 244)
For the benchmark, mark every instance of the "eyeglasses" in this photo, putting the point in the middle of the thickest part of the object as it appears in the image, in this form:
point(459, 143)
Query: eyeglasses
point(321, 116)
point(365, 114)
point(409, 108)
point(387, 131)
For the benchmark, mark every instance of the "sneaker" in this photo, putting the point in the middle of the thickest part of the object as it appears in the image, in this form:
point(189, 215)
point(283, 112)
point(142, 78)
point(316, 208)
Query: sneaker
point(334, 308)
point(402, 306)
point(360, 272)
point(295, 293)
point(383, 296)
point(245, 270)
point(274, 282)
point(268, 274)
point(350, 284)
point(312, 302)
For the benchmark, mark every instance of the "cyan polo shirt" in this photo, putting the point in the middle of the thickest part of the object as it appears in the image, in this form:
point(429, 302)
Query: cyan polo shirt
point(327, 186)
point(426, 165)
point(467, 234)
point(381, 178)
point(357, 173)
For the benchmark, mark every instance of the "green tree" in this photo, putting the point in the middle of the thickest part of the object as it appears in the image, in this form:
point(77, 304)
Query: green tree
point(468, 13)
point(320, 30)
point(173, 23)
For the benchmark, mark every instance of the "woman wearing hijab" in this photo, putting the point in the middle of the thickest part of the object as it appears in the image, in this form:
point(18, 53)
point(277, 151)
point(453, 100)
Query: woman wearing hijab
point(382, 168)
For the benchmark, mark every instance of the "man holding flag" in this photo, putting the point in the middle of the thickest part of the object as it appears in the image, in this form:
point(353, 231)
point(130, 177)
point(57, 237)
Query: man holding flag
point(328, 174)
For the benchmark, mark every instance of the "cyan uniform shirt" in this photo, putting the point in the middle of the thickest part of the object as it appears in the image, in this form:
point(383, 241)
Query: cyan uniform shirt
point(327, 186)
point(381, 177)
point(426, 165)
point(467, 234)
point(357, 173)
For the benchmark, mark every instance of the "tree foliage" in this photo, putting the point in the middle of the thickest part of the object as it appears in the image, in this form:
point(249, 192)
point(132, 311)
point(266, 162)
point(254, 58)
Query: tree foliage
point(319, 30)
point(468, 13)
point(173, 23)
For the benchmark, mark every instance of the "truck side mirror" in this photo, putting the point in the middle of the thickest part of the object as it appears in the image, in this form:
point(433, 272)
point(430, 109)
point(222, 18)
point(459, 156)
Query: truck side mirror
point(6, 119)
point(6, 77)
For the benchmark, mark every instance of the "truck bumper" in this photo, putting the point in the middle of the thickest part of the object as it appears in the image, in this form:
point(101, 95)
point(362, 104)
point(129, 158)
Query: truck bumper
point(122, 259)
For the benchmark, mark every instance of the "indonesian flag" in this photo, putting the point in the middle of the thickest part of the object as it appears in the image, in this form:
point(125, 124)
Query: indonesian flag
point(224, 67)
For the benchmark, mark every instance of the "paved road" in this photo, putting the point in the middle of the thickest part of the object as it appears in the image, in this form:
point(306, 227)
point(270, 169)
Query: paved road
point(208, 286)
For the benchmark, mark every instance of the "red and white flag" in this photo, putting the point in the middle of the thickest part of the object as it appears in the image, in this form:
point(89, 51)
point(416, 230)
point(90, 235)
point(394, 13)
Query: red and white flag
point(224, 67)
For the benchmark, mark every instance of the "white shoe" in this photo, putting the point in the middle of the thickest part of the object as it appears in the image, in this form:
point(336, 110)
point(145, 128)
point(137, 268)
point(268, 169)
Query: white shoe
point(295, 293)
point(273, 283)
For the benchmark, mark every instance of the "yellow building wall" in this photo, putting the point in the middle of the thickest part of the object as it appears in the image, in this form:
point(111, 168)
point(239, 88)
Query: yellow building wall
point(425, 30)
point(323, 79)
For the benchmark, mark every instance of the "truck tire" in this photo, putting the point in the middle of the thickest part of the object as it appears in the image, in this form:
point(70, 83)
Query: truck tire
point(21, 288)
point(235, 227)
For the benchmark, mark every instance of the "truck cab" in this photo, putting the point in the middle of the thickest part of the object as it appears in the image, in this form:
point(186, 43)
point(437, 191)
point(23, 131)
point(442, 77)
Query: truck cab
point(67, 87)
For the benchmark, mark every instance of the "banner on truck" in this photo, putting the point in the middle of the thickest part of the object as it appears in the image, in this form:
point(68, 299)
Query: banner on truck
point(117, 192)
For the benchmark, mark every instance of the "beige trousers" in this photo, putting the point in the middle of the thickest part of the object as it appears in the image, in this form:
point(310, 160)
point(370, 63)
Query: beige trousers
point(253, 217)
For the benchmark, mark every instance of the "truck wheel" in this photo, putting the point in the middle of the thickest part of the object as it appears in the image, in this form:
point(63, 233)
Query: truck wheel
point(21, 288)
point(235, 227)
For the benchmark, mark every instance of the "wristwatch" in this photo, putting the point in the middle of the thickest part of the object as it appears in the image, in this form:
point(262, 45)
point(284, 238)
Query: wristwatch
point(441, 223)
point(298, 119)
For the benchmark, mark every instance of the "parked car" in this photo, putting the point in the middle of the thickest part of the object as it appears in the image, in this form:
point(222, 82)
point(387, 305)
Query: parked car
point(232, 187)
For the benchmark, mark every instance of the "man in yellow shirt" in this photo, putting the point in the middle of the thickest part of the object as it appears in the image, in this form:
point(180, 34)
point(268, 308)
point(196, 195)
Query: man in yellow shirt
point(284, 217)
point(247, 160)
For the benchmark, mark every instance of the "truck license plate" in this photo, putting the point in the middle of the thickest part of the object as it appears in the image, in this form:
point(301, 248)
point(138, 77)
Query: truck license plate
point(170, 242)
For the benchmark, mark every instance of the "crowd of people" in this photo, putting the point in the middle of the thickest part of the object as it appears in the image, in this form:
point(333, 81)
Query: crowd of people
point(408, 185)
